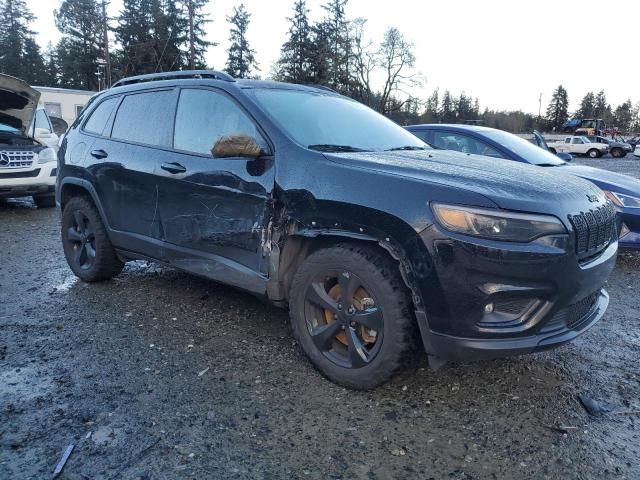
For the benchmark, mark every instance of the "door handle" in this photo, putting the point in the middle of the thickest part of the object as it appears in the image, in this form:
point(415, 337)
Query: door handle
point(173, 167)
point(99, 154)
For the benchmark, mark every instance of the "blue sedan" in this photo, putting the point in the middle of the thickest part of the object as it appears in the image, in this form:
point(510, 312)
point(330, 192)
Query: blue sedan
point(622, 190)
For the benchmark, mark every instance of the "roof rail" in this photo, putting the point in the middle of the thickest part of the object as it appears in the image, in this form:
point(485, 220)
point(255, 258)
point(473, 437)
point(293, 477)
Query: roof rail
point(151, 77)
point(321, 87)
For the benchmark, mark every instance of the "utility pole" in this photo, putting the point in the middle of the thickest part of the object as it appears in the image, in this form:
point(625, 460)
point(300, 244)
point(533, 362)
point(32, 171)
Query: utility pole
point(105, 39)
point(540, 106)
point(192, 47)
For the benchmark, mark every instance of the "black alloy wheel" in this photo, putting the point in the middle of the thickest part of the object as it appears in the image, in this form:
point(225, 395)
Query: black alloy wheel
point(81, 238)
point(343, 320)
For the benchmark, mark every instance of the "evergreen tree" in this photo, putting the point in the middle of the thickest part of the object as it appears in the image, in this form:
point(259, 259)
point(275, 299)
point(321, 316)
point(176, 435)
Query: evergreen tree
point(196, 35)
point(432, 110)
point(557, 111)
point(447, 108)
point(602, 109)
point(623, 116)
point(295, 63)
point(319, 55)
point(19, 53)
point(336, 29)
point(33, 63)
point(51, 70)
point(152, 35)
point(241, 61)
point(587, 106)
point(81, 47)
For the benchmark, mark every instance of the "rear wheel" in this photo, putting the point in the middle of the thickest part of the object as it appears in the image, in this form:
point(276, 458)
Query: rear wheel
point(552, 150)
point(351, 313)
point(44, 201)
point(87, 247)
point(593, 153)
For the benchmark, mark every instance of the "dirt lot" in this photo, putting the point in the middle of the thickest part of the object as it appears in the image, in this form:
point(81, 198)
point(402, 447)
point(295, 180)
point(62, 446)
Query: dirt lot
point(157, 374)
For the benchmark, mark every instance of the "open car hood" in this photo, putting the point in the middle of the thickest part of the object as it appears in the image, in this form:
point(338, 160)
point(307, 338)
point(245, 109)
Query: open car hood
point(18, 102)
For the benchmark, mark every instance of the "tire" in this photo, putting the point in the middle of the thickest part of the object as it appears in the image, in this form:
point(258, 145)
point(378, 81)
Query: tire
point(618, 153)
point(386, 349)
point(593, 153)
point(552, 150)
point(44, 201)
point(86, 245)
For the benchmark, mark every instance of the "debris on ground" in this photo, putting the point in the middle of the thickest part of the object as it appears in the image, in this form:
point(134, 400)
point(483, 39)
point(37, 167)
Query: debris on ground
point(63, 461)
point(593, 407)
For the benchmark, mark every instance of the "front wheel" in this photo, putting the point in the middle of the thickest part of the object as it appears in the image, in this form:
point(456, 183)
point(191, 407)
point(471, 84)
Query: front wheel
point(593, 153)
point(351, 314)
point(618, 153)
point(552, 150)
point(86, 245)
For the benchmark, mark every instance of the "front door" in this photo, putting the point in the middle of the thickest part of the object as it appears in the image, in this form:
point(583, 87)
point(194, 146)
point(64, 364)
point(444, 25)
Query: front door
point(214, 211)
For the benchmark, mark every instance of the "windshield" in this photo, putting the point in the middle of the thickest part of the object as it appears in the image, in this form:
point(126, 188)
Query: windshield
point(523, 148)
point(331, 123)
point(8, 128)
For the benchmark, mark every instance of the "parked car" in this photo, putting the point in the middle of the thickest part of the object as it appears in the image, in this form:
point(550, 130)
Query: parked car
point(312, 200)
point(579, 145)
point(617, 148)
point(636, 152)
point(622, 190)
point(27, 153)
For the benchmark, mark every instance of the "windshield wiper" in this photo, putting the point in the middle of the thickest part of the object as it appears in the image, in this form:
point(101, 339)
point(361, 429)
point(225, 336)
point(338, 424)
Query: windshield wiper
point(330, 147)
point(406, 147)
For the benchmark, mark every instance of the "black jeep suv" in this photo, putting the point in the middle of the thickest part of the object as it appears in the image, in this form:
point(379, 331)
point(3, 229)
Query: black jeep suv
point(375, 241)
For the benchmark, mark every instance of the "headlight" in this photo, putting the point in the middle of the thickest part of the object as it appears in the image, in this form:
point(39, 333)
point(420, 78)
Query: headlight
point(497, 225)
point(622, 200)
point(47, 155)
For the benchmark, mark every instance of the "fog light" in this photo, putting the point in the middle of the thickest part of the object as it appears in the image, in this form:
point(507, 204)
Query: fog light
point(488, 308)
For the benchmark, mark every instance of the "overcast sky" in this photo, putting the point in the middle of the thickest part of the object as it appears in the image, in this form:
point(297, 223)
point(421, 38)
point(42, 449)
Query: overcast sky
point(504, 52)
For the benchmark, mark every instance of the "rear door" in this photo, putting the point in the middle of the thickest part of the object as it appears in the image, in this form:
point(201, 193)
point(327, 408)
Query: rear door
point(124, 162)
point(214, 207)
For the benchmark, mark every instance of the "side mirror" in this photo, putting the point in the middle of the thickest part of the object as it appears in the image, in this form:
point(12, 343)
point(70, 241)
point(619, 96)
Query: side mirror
point(242, 146)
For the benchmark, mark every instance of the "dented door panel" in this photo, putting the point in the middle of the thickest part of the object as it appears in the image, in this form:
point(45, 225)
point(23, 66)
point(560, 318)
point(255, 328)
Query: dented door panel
point(217, 206)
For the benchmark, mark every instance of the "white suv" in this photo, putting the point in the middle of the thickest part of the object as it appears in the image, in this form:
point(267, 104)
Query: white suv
point(28, 157)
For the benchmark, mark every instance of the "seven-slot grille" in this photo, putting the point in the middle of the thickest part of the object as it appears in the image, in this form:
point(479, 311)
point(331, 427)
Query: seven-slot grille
point(594, 230)
point(9, 159)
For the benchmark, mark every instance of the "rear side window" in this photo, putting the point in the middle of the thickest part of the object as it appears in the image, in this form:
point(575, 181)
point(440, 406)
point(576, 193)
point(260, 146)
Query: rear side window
point(204, 116)
point(100, 116)
point(145, 118)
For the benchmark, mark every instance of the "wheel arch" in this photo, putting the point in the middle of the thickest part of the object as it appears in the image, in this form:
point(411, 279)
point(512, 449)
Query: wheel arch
point(71, 186)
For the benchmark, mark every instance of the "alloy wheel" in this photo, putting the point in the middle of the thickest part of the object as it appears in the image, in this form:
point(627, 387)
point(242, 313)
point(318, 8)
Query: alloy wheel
point(343, 320)
point(81, 239)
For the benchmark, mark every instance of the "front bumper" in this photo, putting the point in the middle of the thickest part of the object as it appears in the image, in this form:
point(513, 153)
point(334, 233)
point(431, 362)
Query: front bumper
point(40, 180)
point(463, 349)
point(554, 296)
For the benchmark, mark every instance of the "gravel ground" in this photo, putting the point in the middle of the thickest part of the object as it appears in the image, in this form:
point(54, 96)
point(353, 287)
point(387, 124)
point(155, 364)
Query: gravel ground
point(158, 374)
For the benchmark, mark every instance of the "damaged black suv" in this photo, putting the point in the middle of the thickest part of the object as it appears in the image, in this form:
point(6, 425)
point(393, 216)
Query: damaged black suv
point(376, 242)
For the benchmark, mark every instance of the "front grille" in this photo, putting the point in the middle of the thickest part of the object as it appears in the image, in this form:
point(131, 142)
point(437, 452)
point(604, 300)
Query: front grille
point(31, 174)
point(10, 159)
point(594, 230)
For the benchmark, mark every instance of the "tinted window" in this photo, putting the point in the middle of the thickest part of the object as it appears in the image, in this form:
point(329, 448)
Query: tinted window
point(463, 143)
point(98, 119)
point(204, 116)
point(577, 141)
point(145, 118)
point(424, 135)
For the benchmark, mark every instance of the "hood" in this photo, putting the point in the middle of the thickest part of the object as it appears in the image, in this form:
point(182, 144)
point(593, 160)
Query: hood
point(18, 102)
point(605, 179)
point(510, 185)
